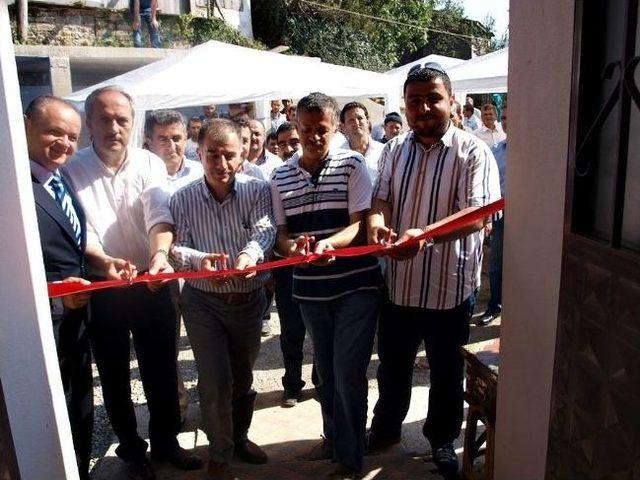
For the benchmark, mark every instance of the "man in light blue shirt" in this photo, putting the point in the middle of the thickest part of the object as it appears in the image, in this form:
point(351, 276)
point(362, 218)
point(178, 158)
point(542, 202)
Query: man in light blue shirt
point(494, 307)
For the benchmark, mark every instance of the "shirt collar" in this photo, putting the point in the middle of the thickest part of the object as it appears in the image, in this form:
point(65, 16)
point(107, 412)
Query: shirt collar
point(104, 167)
point(446, 139)
point(182, 171)
point(484, 128)
point(42, 174)
point(204, 189)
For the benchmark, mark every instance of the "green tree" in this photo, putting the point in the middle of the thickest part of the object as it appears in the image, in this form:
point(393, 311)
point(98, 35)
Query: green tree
point(371, 34)
point(343, 31)
point(497, 42)
point(464, 35)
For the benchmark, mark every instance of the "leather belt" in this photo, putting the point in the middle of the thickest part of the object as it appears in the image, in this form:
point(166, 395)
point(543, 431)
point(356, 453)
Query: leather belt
point(234, 298)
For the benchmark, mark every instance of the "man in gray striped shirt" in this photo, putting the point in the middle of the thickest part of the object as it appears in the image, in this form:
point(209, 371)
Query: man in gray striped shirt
point(226, 215)
point(431, 174)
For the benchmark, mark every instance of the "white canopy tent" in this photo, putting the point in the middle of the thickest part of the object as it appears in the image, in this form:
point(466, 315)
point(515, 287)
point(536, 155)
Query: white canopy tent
point(216, 72)
point(400, 73)
point(484, 74)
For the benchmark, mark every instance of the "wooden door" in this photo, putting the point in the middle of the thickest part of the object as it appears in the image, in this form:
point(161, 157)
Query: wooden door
point(594, 432)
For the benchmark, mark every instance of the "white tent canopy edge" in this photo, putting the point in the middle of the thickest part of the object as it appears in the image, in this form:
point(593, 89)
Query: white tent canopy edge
point(216, 72)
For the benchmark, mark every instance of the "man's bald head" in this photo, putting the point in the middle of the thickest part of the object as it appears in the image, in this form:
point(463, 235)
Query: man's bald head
point(52, 126)
point(37, 108)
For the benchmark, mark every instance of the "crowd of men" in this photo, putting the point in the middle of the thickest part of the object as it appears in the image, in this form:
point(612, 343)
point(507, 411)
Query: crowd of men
point(209, 194)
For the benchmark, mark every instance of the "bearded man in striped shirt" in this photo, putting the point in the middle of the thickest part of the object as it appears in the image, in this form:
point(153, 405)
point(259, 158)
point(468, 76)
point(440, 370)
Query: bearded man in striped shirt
point(431, 174)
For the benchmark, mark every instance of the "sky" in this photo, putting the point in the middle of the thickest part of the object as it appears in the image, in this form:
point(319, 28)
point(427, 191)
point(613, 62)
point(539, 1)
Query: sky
point(499, 9)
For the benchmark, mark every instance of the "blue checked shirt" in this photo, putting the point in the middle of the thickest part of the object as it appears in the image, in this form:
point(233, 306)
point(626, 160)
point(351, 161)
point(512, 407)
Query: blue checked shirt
point(241, 223)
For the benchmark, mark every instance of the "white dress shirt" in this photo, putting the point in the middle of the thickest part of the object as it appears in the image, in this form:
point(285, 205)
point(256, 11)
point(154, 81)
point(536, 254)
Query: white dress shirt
point(371, 157)
point(121, 207)
point(267, 163)
point(490, 137)
point(252, 170)
point(191, 150)
point(189, 171)
point(44, 176)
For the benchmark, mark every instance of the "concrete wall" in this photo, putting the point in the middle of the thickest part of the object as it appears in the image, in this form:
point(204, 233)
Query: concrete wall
point(540, 68)
point(28, 362)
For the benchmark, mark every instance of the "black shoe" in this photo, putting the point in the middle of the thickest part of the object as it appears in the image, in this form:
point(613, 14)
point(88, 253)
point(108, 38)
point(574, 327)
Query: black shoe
point(140, 469)
point(487, 317)
point(446, 460)
point(322, 450)
point(249, 452)
point(375, 443)
point(290, 399)
point(342, 472)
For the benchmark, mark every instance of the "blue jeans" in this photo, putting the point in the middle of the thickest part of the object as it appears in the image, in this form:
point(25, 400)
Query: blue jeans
point(342, 331)
point(154, 34)
point(495, 266)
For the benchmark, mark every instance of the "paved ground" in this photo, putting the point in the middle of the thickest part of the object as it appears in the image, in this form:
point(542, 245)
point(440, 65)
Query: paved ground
point(286, 434)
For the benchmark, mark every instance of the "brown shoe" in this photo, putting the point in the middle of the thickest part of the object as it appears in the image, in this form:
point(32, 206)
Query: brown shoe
point(322, 451)
point(179, 457)
point(249, 452)
point(218, 471)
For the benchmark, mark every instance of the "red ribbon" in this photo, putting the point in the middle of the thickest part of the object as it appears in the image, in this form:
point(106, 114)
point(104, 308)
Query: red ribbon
point(60, 289)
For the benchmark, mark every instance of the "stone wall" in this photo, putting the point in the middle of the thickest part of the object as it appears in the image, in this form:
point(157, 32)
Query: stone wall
point(79, 26)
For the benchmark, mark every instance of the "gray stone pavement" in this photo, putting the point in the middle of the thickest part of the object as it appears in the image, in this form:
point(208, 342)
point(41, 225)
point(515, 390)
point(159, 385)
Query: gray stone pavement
point(285, 434)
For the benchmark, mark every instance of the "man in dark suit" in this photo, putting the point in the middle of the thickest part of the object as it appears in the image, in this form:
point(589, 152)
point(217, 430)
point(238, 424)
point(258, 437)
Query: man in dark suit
point(53, 127)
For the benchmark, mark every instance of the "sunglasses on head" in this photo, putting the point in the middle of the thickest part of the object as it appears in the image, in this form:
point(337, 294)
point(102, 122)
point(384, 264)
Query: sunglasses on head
point(418, 67)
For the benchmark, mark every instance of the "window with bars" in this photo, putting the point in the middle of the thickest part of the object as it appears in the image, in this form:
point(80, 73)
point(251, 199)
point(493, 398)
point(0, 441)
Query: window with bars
point(606, 201)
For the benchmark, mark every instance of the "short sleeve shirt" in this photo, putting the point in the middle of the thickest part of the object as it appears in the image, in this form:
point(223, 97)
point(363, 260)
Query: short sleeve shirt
point(121, 207)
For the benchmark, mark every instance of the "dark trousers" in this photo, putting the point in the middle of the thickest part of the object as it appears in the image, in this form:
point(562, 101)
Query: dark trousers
point(183, 397)
point(400, 333)
point(225, 338)
point(342, 331)
point(292, 330)
point(268, 295)
point(74, 357)
point(151, 320)
point(495, 266)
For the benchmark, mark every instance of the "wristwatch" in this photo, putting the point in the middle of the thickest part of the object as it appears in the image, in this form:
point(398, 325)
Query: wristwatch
point(162, 251)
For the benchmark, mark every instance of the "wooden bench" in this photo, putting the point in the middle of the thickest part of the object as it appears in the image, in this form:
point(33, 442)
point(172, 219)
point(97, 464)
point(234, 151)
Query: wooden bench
point(482, 362)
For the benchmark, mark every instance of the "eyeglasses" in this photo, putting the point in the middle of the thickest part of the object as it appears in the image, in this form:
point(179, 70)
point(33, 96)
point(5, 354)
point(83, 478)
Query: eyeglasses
point(418, 67)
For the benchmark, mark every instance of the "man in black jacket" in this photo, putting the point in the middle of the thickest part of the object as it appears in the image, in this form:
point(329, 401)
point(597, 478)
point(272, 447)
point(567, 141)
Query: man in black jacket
point(53, 127)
